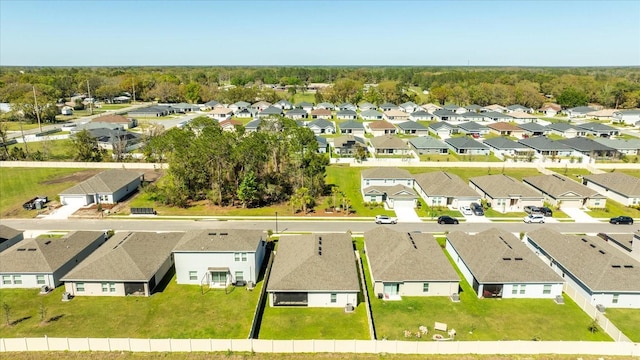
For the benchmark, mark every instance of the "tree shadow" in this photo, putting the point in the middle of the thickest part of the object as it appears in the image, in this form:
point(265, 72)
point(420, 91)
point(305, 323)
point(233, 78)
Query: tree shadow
point(16, 322)
point(55, 318)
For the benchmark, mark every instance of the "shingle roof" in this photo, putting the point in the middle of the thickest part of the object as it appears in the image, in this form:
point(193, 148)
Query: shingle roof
point(496, 115)
point(393, 257)
point(501, 186)
point(411, 125)
point(595, 126)
point(397, 191)
point(321, 112)
point(352, 124)
point(253, 124)
point(600, 266)
point(558, 186)
point(271, 110)
point(326, 105)
point(111, 118)
point(516, 107)
point(561, 126)
point(465, 143)
point(502, 143)
point(221, 111)
point(340, 141)
point(127, 256)
point(504, 126)
point(442, 124)
point(420, 113)
point(473, 107)
point(497, 256)
point(220, 241)
point(618, 182)
point(388, 142)
point(472, 126)
point(386, 173)
point(444, 112)
point(46, 255)
point(382, 124)
point(451, 107)
point(542, 143)
point(297, 112)
point(300, 265)
point(346, 113)
point(7, 233)
point(371, 113)
point(581, 109)
point(440, 183)
point(395, 113)
point(620, 144)
point(303, 104)
point(321, 123)
point(427, 142)
point(585, 144)
point(531, 126)
point(389, 105)
point(106, 182)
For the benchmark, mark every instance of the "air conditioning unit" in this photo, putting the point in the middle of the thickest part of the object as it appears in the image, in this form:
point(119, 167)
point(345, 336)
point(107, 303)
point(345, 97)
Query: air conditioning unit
point(44, 289)
point(455, 297)
point(66, 296)
point(601, 308)
point(349, 308)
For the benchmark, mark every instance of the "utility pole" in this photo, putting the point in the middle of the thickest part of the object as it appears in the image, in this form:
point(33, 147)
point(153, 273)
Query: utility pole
point(35, 102)
point(91, 102)
point(133, 82)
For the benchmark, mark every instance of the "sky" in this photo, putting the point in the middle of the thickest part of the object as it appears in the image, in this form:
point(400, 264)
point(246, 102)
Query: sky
point(332, 32)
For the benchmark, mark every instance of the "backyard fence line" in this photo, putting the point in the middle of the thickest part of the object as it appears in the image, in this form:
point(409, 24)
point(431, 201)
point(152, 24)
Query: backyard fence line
point(82, 165)
point(320, 346)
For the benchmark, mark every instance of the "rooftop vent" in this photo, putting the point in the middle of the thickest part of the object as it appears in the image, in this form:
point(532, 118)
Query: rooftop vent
point(505, 242)
point(592, 245)
point(22, 249)
point(601, 252)
point(506, 258)
point(212, 233)
point(518, 258)
point(628, 266)
point(224, 234)
point(616, 266)
point(47, 242)
point(319, 251)
point(584, 240)
point(31, 249)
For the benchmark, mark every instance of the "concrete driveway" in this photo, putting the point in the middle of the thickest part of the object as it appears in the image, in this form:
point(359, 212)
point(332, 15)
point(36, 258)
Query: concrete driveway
point(63, 212)
point(406, 215)
point(579, 215)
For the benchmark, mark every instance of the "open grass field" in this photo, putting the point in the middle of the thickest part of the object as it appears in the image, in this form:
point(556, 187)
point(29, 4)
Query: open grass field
point(18, 185)
point(52, 149)
point(480, 319)
point(113, 106)
point(15, 125)
point(627, 320)
point(179, 311)
point(614, 208)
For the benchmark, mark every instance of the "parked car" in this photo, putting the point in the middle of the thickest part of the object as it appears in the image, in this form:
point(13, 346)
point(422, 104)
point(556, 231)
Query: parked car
point(546, 211)
point(477, 209)
point(384, 219)
point(534, 218)
point(445, 219)
point(621, 220)
point(532, 209)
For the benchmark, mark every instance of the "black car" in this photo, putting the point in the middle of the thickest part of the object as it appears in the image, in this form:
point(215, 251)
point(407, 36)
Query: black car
point(621, 220)
point(545, 211)
point(447, 220)
point(477, 209)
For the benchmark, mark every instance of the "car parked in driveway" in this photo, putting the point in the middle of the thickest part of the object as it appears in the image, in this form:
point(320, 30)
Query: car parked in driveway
point(621, 220)
point(445, 219)
point(477, 209)
point(384, 219)
point(466, 210)
point(534, 218)
point(546, 211)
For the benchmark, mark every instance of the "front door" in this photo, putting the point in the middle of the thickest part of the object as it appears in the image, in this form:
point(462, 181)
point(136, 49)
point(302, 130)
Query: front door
point(391, 289)
point(218, 279)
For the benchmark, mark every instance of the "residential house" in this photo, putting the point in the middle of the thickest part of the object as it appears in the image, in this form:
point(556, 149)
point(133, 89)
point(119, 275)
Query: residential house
point(504, 193)
point(518, 108)
point(473, 108)
point(447, 115)
point(599, 130)
point(347, 106)
point(623, 146)
point(43, 261)
point(314, 270)
point(126, 123)
point(394, 197)
point(128, 264)
point(261, 106)
point(496, 116)
point(120, 140)
point(253, 125)
point(230, 125)
point(498, 265)
point(347, 115)
point(389, 145)
point(380, 128)
point(466, 146)
point(367, 106)
point(628, 117)
point(430, 108)
point(270, 111)
point(326, 106)
point(352, 127)
point(371, 114)
point(506, 129)
point(494, 107)
point(212, 104)
point(396, 115)
point(601, 274)
point(473, 116)
point(427, 145)
point(457, 109)
point(408, 264)
point(532, 129)
point(239, 105)
point(550, 110)
point(284, 105)
point(603, 114)
point(566, 130)
point(297, 114)
point(443, 129)
point(627, 243)
point(413, 128)
point(408, 107)
point(322, 126)
point(9, 237)
point(245, 113)
point(421, 115)
point(323, 144)
point(439, 188)
point(590, 148)
point(306, 106)
point(221, 114)
point(321, 114)
point(579, 111)
point(107, 187)
point(150, 111)
point(617, 186)
point(66, 110)
point(347, 145)
point(523, 117)
point(561, 191)
point(546, 147)
point(385, 176)
point(219, 257)
point(389, 106)
point(183, 108)
point(502, 146)
point(473, 129)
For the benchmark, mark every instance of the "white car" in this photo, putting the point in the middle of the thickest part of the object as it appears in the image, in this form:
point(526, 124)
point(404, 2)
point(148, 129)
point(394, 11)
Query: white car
point(384, 219)
point(466, 210)
point(534, 218)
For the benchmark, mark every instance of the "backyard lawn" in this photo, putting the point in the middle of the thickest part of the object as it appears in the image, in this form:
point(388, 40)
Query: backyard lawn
point(466, 173)
point(571, 173)
point(52, 150)
point(627, 320)
point(179, 311)
point(614, 208)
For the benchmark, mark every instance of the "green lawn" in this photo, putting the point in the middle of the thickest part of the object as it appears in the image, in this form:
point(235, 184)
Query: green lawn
point(113, 106)
point(347, 179)
point(18, 185)
point(632, 172)
point(572, 173)
point(466, 173)
point(300, 97)
point(491, 213)
point(627, 321)
point(612, 209)
point(15, 125)
point(485, 158)
point(180, 311)
point(481, 319)
point(53, 149)
point(439, 157)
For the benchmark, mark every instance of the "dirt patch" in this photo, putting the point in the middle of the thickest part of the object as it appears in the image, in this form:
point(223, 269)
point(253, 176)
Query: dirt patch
point(75, 177)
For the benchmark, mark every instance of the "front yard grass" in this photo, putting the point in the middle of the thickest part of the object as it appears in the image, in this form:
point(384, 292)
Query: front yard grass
point(614, 208)
point(627, 321)
point(439, 158)
point(465, 173)
point(179, 311)
point(491, 213)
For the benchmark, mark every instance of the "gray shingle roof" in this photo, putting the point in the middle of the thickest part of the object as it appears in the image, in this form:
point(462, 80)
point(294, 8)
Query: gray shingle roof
point(411, 125)
point(595, 265)
point(472, 126)
point(444, 112)
point(388, 142)
point(542, 143)
point(427, 142)
point(346, 113)
point(220, 241)
point(496, 115)
point(558, 186)
point(451, 107)
point(585, 144)
point(465, 143)
point(618, 182)
point(388, 105)
point(7, 233)
point(501, 186)
point(340, 141)
point(440, 183)
point(582, 109)
point(503, 143)
point(620, 144)
point(531, 126)
point(48, 254)
point(297, 112)
point(253, 124)
point(393, 257)
point(127, 256)
point(517, 107)
point(397, 191)
point(271, 110)
point(321, 123)
point(371, 113)
point(300, 266)
point(106, 182)
point(595, 126)
point(442, 124)
point(561, 126)
point(352, 124)
point(485, 255)
point(420, 113)
point(386, 173)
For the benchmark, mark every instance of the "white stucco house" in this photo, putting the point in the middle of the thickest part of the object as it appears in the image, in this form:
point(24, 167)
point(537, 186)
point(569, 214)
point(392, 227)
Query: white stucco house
point(108, 187)
point(616, 186)
point(439, 188)
point(504, 193)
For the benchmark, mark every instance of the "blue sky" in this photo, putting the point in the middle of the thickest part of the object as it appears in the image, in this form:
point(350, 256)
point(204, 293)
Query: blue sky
point(518, 33)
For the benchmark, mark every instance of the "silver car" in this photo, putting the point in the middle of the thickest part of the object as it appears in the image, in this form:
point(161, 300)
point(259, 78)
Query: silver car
point(534, 218)
point(384, 219)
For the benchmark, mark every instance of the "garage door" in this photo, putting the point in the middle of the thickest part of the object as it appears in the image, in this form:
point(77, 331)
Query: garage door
point(77, 200)
point(577, 203)
point(405, 204)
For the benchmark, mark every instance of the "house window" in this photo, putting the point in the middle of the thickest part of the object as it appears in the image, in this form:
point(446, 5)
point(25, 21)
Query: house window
point(239, 276)
point(6, 279)
point(425, 287)
point(514, 290)
point(105, 287)
point(615, 298)
point(522, 289)
point(244, 256)
point(546, 290)
point(80, 287)
point(40, 279)
point(193, 275)
point(17, 279)
point(112, 287)
point(372, 198)
point(236, 256)
point(219, 277)
point(334, 298)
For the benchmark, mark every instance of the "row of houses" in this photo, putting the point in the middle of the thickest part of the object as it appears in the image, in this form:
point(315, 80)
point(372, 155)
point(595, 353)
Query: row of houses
point(320, 270)
point(524, 130)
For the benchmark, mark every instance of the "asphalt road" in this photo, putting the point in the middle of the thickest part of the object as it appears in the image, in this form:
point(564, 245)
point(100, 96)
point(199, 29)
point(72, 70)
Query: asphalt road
point(296, 226)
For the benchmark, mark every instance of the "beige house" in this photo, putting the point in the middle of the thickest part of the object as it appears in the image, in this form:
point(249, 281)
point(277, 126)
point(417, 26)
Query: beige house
point(127, 123)
point(439, 188)
point(560, 190)
point(396, 115)
point(504, 193)
point(389, 145)
point(380, 128)
point(506, 129)
point(221, 114)
point(617, 186)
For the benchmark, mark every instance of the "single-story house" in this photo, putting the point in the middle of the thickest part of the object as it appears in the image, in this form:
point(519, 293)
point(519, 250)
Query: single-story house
point(467, 146)
point(494, 107)
point(413, 128)
point(518, 108)
point(284, 105)
point(396, 115)
point(628, 243)
point(473, 116)
point(382, 127)
point(9, 237)
point(239, 105)
point(253, 125)
point(388, 106)
point(447, 115)
point(591, 148)
point(623, 146)
point(505, 146)
point(347, 106)
point(183, 107)
point(115, 139)
point(261, 106)
point(504, 193)
point(439, 188)
point(211, 104)
point(550, 110)
point(532, 129)
point(454, 108)
point(385, 176)
point(421, 115)
point(352, 127)
point(565, 129)
point(221, 114)
point(473, 129)
point(306, 106)
point(127, 123)
point(430, 108)
point(322, 126)
point(617, 186)
point(473, 108)
point(428, 145)
point(523, 117)
point(326, 106)
point(603, 114)
point(230, 124)
point(365, 106)
point(408, 264)
point(107, 187)
point(321, 114)
point(323, 144)
point(561, 191)
point(371, 114)
point(599, 130)
point(506, 129)
point(547, 147)
point(246, 113)
point(601, 274)
point(347, 145)
point(271, 111)
point(498, 265)
point(297, 114)
point(66, 110)
point(497, 116)
point(389, 145)
point(129, 263)
point(314, 270)
point(347, 115)
point(394, 197)
point(218, 258)
point(43, 261)
point(408, 107)
point(151, 111)
point(628, 117)
point(443, 129)
point(579, 111)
